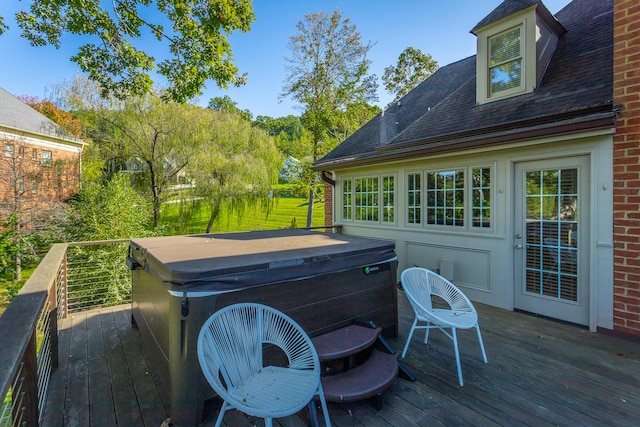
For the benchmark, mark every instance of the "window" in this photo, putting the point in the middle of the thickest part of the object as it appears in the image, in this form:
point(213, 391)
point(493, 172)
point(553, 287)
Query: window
point(366, 198)
point(9, 150)
point(45, 158)
point(21, 151)
point(505, 61)
point(481, 197)
point(34, 154)
point(414, 202)
point(387, 199)
point(369, 199)
point(347, 199)
point(34, 186)
point(445, 198)
point(459, 198)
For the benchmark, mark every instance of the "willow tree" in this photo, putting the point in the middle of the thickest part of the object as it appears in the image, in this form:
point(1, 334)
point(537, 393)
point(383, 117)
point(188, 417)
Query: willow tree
point(157, 139)
point(235, 165)
point(117, 30)
point(327, 73)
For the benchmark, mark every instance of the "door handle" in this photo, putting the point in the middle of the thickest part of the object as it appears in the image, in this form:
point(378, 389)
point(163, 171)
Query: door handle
point(518, 246)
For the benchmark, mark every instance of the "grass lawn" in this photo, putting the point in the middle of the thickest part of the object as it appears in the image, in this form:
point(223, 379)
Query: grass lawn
point(284, 212)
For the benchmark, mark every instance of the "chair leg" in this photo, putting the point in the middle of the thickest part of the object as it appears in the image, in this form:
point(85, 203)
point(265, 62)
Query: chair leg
point(484, 355)
point(406, 346)
point(323, 404)
point(426, 333)
point(223, 409)
point(454, 337)
point(313, 414)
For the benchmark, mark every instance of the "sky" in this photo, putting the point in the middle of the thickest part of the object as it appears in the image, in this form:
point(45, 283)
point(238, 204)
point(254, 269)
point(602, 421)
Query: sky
point(436, 27)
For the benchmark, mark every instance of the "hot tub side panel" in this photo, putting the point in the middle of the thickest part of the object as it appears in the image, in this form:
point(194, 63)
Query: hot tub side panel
point(318, 303)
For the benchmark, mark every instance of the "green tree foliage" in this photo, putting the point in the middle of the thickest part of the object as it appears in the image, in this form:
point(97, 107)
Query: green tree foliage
point(290, 135)
point(113, 57)
point(328, 74)
point(236, 165)
point(109, 211)
point(225, 103)
point(8, 248)
point(113, 210)
point(413, 68)
point(157, 140)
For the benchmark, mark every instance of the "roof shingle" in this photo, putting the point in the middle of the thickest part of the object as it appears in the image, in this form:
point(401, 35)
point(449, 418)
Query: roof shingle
point(578, 80)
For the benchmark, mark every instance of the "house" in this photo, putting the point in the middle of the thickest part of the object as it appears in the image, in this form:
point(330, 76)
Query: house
point(514, 172)
point(40, 163)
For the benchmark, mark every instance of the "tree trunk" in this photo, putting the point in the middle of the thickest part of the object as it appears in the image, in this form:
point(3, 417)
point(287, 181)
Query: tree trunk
point(214, 215)
point(310, 209)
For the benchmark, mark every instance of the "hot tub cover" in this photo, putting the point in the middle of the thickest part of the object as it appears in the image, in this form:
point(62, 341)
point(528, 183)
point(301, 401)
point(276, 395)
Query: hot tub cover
point(233, 261)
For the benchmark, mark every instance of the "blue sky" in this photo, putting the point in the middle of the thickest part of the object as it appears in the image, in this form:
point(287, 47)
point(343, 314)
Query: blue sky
point(437, 27)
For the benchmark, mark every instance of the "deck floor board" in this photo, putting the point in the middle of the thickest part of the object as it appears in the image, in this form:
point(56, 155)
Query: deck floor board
point(540, 373)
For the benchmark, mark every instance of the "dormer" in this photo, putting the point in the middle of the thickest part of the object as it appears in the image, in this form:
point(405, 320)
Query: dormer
point(515, 44)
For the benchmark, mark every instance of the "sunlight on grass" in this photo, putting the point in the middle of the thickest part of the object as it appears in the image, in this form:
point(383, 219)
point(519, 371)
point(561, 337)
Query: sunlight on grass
point(284, 213)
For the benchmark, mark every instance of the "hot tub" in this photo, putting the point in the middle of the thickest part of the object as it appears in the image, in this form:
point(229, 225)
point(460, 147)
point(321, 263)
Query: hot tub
point(324, 281)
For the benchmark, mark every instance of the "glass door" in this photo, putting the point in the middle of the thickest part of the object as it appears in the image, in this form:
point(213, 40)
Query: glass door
point(551, 227)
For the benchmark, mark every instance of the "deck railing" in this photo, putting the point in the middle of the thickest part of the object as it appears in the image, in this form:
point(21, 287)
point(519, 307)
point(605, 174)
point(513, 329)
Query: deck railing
point(71, 277)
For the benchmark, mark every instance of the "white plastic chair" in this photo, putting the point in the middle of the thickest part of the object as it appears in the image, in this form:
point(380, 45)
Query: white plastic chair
point(420, 285)
point(230, 351)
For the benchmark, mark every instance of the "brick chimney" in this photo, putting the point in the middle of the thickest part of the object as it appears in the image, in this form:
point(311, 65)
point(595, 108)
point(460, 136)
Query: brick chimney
point(626, 167)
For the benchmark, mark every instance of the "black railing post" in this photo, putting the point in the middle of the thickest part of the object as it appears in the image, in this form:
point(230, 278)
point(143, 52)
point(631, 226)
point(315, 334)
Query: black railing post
point(29, 390)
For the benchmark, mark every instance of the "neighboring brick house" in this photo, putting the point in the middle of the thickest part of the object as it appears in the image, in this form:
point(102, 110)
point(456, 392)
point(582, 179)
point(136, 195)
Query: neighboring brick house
point(39, 163)
point(515, 171)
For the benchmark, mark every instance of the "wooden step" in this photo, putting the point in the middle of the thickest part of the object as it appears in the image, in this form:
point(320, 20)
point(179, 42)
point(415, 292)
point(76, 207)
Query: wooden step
point(345, 342)
point(366, 380)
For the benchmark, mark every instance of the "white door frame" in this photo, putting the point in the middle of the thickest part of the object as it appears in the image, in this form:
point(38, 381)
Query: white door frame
point(580, 311)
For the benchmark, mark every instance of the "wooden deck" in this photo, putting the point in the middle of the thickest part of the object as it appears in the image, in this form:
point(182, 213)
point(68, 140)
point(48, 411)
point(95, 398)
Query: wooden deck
point(540, 373)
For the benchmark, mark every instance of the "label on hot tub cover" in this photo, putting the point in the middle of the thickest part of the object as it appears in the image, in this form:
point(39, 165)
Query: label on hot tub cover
point(286, 263)
point(376, 268)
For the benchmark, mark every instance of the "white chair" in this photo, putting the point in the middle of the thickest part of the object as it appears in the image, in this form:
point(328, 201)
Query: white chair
point(420, 285)
point(230, 350)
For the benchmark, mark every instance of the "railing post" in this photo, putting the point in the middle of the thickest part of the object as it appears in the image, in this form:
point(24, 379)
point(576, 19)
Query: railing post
point(53, 327)
point(29, 388)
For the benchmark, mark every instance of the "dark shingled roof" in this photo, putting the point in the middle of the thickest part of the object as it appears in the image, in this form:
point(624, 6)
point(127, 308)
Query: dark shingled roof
point(577, 83)
point(504, 9)
point(18, 115)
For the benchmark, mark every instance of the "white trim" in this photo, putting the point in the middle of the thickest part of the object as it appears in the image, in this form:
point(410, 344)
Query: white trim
point(46, 141)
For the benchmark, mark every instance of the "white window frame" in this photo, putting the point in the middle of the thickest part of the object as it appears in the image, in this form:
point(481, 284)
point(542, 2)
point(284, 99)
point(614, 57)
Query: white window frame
point(520, 57)
point(379, 198)
point(468, 206)
point(46, 158)
point(420, 205)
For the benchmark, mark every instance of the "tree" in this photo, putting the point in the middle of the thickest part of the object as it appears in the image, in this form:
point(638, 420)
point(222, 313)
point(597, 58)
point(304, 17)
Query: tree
point(225, 103)
point(291, 138)
point(326, 73)
point(105, 211)
point(413, 68)
point(197, 41)
point(157, 137)
point(49, 109)
point(235, 166)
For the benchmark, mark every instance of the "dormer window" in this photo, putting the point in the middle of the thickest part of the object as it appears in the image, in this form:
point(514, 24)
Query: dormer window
point(515, 43)
point(505, 62)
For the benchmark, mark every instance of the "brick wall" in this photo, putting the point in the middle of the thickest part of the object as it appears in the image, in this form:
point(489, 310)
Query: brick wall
point(328, 204)
point(31, 188)
point(626, 167)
